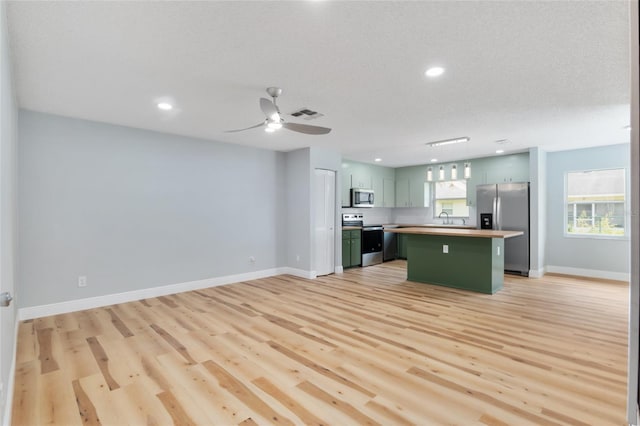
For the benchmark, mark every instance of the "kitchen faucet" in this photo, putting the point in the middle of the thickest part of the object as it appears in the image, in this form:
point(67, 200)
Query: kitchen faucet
point(444, 221)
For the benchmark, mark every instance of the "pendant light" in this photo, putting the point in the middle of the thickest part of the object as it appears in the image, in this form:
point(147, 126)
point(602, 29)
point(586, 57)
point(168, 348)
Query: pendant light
point(454, 172)
point(441, 173)
point(467, 170)
point(429, 174)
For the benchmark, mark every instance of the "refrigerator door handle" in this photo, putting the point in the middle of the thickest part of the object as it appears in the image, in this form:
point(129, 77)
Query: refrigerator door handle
point(494, 224)
point(498, 211)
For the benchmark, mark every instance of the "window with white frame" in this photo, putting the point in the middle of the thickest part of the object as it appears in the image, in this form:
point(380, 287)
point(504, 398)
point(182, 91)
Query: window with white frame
point(595, 202)
point(451, 198)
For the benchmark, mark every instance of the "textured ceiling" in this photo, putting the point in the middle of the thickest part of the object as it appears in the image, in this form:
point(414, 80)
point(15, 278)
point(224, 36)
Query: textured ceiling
point(548, 74)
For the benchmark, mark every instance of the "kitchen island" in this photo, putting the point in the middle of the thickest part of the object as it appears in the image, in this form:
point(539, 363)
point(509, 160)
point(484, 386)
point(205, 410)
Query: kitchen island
point(470, 259)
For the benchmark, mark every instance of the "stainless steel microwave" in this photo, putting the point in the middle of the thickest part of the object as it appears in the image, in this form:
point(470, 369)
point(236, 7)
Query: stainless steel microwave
point(361, 197)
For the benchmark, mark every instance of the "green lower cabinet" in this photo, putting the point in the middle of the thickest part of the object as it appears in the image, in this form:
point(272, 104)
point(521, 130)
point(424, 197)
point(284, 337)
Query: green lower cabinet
point(346, 249)
point(351, 248)
point(356, 248)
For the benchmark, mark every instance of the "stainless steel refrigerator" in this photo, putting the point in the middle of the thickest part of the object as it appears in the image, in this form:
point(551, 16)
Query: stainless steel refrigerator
point(505, 206)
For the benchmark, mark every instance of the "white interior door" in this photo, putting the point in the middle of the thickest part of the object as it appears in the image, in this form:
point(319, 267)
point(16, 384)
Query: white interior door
point(325, 216)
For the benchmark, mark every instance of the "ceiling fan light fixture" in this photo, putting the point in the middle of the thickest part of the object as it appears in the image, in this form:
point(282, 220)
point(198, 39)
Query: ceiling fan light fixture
point(269, 129)
point(449, 141)
point(274, 121)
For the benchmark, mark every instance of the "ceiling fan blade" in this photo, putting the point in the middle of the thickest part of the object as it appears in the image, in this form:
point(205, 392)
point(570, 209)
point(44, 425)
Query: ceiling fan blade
point(306, 128)
point(240, 130)
point(270, 110)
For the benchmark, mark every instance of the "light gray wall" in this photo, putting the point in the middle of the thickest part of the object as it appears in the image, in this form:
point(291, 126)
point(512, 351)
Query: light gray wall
point(8, 165)
point(538, 210)
point(133, 209)
point(298, 209)
point(610, 255)
point(300, 165)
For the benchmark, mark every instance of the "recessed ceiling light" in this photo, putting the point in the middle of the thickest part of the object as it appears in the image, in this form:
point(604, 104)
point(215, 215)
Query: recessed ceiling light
point(499, 151)
point(434, 160)
point(434, 72)
point(377, 160)
point(165, 106)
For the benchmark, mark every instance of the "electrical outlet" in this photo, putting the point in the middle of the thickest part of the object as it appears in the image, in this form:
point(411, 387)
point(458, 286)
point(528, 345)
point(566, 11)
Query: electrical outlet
point(445, 248)
point(82, 281)
point(252, 259)
point(498, 250)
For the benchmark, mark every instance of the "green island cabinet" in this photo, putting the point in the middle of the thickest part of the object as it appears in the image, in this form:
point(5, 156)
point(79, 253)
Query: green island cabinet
point(402, 246)
point(469, 259)
point(351, 248)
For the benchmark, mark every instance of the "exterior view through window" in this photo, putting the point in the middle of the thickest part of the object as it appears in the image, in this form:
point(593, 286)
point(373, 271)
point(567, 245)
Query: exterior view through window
point(595, 202)
point(451, 198)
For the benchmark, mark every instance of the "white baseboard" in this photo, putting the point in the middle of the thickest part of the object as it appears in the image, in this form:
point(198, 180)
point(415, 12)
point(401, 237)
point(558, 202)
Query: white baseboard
point(8, 392)
point(310, 275)
point(591, 273)
point(130, 296)
point(537, 273)
point(339, 270)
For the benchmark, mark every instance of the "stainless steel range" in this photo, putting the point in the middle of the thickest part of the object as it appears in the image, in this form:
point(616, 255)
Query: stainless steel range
point(372, 237)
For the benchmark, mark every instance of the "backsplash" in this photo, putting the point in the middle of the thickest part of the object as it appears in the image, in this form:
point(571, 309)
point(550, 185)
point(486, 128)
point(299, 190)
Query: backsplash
point(406, 215)
point(374, 216)
point(412, 215)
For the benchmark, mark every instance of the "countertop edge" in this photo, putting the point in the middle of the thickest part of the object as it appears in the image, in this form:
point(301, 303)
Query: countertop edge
point(453, 232)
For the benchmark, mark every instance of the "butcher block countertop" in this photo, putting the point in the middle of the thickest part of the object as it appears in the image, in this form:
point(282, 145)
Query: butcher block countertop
point(455, 232)
point(430, 225)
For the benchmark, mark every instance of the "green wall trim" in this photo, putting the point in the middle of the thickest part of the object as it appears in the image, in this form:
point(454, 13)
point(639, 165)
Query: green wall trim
point(471, 264)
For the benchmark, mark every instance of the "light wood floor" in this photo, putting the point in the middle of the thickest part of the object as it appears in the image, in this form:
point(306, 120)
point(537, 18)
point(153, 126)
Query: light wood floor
point(366, 347)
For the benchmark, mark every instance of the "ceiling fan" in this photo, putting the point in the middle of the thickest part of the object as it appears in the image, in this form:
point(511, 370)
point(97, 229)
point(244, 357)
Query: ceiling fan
point(274, 120)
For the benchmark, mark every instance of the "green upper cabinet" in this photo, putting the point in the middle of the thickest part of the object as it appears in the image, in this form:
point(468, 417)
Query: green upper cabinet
point(411, 188)
point(361, 176)
point(368, 176)
point(473, 181)
point(346, 186)
point(402, 193)
point(508, 168)
point(407, 186)
point(388, 192)
point(501, 169)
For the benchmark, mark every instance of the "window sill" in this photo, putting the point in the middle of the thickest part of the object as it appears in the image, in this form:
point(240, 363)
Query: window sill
point(597, 237)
